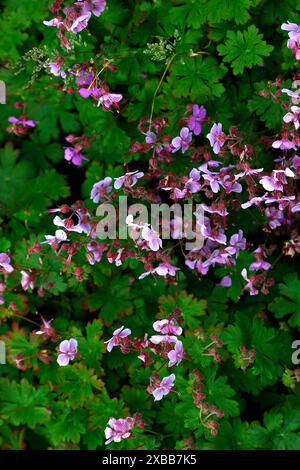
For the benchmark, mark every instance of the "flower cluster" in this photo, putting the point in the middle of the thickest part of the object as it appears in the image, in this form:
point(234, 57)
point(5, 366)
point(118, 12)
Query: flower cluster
point(164, 344)
point(74, 18)
point(20, 126)
point(74, 154)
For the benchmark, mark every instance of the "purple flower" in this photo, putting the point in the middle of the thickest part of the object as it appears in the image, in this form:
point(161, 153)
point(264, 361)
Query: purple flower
point(275, 217)
point(67, 351)
point(226, 281)
point(182, 141)
point(101, 188)
point(176, 355)
point(22, 122)
point(164, 388)
point(5, 263)
point(72, 155)
point(151, 137)
point(193, 185)
point(98, 6)
point(197, 118)
point(118, 336)
point(118, 429)
point(284, 144)
point(260, 263)
point(128, 180)
point(95, 251)
point(237, 243)
point(216, 137)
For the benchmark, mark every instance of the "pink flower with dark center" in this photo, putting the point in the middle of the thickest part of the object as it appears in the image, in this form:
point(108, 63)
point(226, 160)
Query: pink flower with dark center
point(216, 137)
point(128, 180)
point(60, 236)
point(164, 387)
point(118, 429)
point(196, 120)
point(176, 355)
point(101, 188)
point(182, 141)
point(109, 99)
point(117, 338)
point(46, 328)
point(67, 351)
point(27, 281)
point(68, 224)
point(5, 263)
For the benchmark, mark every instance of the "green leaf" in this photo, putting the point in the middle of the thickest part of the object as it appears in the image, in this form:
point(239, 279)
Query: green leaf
point(289, 303)
point(197, 77)
point(244, 49)
point(22, 403)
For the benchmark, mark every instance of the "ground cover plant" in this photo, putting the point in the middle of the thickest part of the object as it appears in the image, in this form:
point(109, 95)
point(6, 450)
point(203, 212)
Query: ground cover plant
point(149, 340)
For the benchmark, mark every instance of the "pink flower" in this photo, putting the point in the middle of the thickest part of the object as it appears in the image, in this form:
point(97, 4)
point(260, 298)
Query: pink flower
point(237, 243)
point(74, 156)
point(226, 281)
point(46, 328)
point(27, 281)
point(152, 238)
point(109, 99)
point(195, 121)
point(167, 327)
point(68, 351)
point(118, 429)
point(55, 69)
point(118, 336)
point(164, 387)
point(128, 180)
point(293, 116)
point(101, 188)
point(5, 263)
point(157, 339)
point(260, 263)
point(292, 94)
point(98, 6)
point(176, 355)
point(283, 144)
point(249, 285)
point(60, 236)
point(216, 137)
point(68, 224)
point(182, 141)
